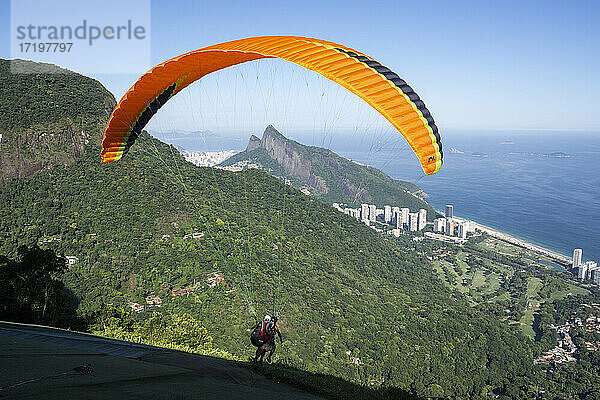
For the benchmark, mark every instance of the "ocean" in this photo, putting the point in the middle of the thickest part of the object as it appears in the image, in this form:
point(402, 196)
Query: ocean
point(510, 181)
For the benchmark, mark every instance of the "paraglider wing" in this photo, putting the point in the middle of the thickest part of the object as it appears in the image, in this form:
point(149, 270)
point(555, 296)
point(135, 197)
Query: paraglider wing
point(383, 89)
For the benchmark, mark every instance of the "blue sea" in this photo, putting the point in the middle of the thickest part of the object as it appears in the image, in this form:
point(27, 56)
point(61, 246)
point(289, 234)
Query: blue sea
point(536, 196)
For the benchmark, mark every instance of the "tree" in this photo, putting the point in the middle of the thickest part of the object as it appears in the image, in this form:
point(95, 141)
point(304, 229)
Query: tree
point(30, 287)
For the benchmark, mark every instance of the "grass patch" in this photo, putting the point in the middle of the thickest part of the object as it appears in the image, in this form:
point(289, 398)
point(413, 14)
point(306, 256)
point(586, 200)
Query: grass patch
point(478, 279)
point(571, 290)
point(526, 323)
point(533, 285)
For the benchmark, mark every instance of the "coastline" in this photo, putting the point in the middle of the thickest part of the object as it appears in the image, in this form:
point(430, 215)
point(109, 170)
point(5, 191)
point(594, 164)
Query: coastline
point(516, 241)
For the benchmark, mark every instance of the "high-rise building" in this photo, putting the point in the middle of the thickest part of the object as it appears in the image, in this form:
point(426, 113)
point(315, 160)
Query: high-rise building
point(462, 230)
point(364, 212)
point(372, 212)
point(395, 214)
point(583, 271)
point(449, 227)
point(449, 211)
point(439, 224)
point(402, 219)
point(404, 215)
point(593, 272)
point(422, 218)
point(596, 277)
point(413, 221)
point(577, 257)
point(387, 214)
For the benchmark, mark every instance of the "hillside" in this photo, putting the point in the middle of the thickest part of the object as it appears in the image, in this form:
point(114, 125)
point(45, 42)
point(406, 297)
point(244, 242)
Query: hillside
point(342, 285)
point(47, 117)
point(324, 174)
point(352, 303)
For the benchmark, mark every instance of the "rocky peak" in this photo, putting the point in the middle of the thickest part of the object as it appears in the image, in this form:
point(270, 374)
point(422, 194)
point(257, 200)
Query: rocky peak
point(274, 142)
point(289, 155)
point(271, 132)
point(253, 143)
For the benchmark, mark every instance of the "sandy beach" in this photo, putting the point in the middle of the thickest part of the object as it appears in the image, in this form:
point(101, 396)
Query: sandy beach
point(518, 242)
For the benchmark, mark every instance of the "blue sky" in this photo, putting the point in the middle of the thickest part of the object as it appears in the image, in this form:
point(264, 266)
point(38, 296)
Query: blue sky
point(479, 65)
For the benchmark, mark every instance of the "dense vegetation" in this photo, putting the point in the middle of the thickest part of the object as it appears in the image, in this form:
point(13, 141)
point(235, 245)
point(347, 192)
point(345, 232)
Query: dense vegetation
point(582, 378)
point(31, 290)
point(48, 115)
point(533, 296)
point(45, 93)
point(179, 332)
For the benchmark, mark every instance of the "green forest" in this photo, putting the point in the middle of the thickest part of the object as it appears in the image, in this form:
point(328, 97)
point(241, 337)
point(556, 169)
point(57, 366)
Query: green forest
point(352, 303)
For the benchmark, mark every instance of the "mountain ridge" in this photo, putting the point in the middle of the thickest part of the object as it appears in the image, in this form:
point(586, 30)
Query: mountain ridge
point(324, 174)
point(62, 114)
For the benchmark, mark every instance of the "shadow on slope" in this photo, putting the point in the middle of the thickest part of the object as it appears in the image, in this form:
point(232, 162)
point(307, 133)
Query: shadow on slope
point(49, 363)
point(327, 385)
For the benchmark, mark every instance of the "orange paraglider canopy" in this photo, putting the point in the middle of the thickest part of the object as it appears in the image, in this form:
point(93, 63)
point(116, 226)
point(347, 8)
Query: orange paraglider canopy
point(377, 85)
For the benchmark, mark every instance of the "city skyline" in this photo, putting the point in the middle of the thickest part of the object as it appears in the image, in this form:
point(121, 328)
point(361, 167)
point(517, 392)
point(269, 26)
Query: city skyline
point(446, 227)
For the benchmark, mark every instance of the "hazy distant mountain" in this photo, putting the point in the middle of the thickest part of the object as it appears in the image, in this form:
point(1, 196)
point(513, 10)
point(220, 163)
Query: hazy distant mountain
point(202, 141)
point(179, 133)
point(206, 158)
